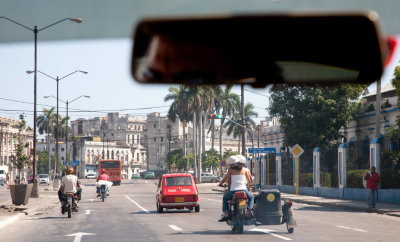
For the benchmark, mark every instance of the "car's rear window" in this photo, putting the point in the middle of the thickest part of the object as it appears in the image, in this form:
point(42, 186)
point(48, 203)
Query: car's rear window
point(178, 181)
point(43, 176)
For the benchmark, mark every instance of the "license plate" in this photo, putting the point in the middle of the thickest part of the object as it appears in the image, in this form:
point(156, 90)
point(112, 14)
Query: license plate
point(179, 199)
point(242, 202)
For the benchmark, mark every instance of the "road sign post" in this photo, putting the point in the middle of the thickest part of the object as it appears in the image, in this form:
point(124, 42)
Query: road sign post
point(297, 151)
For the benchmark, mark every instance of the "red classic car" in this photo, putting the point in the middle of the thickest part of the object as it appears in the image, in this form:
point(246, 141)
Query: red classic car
point(177, 191)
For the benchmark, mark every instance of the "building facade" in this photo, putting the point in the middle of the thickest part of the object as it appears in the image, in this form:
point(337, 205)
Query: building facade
point(9, 128)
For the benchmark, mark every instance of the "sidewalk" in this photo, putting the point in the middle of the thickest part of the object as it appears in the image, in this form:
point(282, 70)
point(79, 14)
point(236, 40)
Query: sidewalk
point(10, 213)
point(354, 205)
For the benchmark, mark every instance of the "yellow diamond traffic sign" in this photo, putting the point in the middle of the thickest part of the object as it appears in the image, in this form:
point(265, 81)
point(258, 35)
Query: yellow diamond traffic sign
point(296, 150)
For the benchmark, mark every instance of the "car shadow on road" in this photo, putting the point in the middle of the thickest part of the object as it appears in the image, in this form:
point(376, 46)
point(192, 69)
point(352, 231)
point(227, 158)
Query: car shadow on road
point(166, 213)
point(226, 232)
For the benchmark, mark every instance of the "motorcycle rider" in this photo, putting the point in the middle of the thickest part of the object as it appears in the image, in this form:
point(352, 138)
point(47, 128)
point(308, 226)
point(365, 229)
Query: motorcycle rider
point(69, 184)
point(102, 177)
point(239, 179)
point(61, 196)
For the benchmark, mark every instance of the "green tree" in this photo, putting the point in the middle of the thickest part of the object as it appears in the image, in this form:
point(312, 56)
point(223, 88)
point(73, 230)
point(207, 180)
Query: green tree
point(234, 128)
point(20, 159)
point(211, 159)
point(42, 165)
point(312, 115)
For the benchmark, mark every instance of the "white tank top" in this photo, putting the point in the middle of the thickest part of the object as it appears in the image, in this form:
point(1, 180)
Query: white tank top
point(238, 182)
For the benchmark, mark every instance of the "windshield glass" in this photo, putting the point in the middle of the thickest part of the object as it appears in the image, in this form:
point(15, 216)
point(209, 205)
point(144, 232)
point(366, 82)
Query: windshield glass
point(43, 176)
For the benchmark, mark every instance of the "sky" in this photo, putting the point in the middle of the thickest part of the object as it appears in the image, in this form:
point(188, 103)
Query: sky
point(108, 83)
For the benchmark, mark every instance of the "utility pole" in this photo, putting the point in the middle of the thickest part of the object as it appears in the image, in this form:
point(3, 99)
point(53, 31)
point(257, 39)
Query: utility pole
point(242, 120)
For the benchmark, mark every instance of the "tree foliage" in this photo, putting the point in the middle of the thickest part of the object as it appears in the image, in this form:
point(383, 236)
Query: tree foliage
point(20, 159)
point(312, 115)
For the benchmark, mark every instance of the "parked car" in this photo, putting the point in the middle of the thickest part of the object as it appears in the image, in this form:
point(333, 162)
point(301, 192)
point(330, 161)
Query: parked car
point(177, 191)
point(209, 177)
point(149, 175)
point(135, 176)
point(44, 179)
point(91, 176)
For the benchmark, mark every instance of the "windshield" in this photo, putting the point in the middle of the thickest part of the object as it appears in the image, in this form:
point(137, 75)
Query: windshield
point(43, 176)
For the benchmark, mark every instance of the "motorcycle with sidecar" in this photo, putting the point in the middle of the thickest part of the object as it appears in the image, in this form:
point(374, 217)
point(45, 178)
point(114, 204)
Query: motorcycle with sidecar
point(268, 210)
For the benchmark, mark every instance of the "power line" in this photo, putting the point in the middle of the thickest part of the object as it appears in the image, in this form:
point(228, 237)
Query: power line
point(256, 92)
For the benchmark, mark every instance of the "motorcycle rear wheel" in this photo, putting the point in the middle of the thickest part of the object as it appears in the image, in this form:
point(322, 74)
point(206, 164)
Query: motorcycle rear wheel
point(102, 197)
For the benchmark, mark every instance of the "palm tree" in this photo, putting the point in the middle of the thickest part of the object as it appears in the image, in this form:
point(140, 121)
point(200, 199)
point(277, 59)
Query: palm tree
point(228, 104)
point(179, 108)
point(236, 129)
point(46, 123)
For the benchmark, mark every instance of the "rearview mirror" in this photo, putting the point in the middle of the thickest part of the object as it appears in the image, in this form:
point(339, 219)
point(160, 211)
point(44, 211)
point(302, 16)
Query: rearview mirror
point(298, 48)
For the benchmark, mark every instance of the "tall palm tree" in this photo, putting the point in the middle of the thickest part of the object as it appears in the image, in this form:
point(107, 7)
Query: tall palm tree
point(45, 124)
point(228, 104)
point(179, 108)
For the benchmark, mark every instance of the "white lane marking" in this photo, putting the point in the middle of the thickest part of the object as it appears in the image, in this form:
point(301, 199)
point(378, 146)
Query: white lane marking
point(10, 220)
point(137, 204)
point(344, 227)
point(271, 232)
point(88, 211)
point(174, 227)
point(361, 230)
point(281, 237)
point(91, 200)
point(215, 200)
point(202, 210)
point(78, 236)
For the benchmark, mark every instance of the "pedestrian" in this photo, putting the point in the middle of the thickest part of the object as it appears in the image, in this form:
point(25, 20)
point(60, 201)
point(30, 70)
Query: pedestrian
point(8, 181)
point(372, 179)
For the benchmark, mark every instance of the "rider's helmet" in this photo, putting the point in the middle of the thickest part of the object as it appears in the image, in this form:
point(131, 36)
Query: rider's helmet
point(242, 159)
point(70, 171)
point(233, 160)
point(103, 171)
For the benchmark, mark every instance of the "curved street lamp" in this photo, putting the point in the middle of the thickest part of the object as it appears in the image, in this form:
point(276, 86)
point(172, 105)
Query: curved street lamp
point(57, 79)
point(35, 30)
point(67, 102)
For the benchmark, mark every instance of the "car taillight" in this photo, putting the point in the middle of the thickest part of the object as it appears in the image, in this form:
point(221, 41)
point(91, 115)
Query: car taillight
point(196, 197)
point(289, 203)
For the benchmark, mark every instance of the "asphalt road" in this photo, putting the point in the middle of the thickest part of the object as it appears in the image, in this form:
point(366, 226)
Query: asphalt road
point(129, 214)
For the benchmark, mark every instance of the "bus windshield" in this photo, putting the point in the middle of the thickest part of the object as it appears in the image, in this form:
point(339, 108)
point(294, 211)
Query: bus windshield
point(110, 164)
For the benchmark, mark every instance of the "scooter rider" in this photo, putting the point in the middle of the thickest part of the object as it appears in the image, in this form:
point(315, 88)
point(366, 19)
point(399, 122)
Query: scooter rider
point(239, 179)
point(102, 177)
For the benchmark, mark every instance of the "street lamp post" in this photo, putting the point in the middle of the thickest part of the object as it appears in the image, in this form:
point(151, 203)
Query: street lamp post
point(35, 30)
point(57, 79)
point(67, 103)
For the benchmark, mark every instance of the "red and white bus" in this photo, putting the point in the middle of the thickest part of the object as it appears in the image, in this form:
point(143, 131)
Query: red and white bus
point(113, 169)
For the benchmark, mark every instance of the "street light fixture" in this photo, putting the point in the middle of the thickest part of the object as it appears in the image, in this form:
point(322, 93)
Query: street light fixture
point(57, 79)
point(35, 31)
point(67, 102)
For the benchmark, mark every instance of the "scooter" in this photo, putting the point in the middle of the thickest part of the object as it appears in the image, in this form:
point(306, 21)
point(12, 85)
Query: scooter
point(103, 192)
point(69, 205)
point(103, 188)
